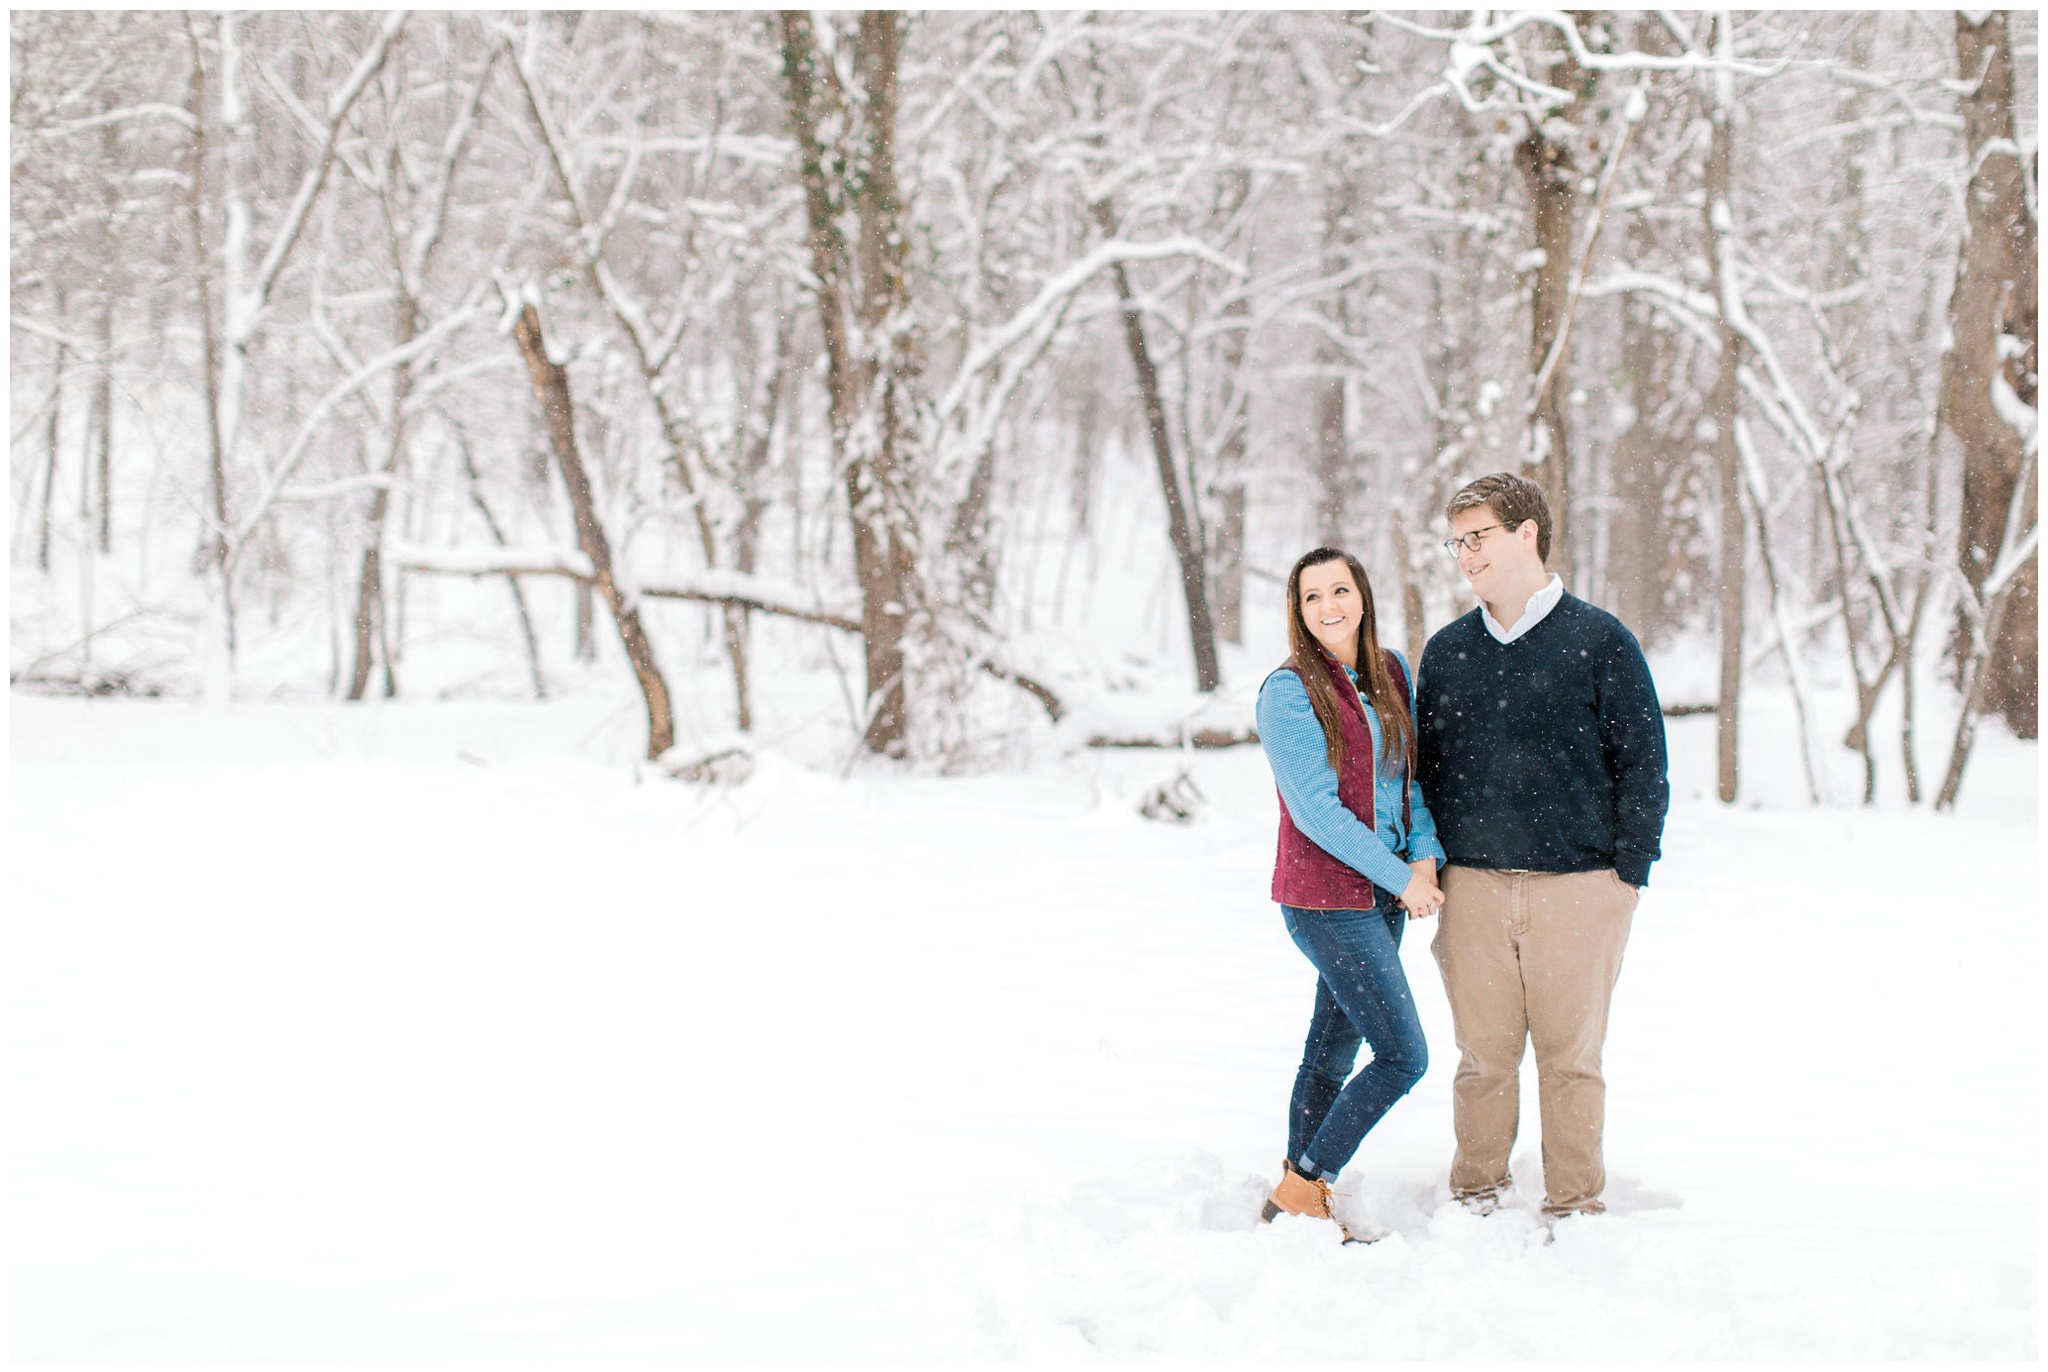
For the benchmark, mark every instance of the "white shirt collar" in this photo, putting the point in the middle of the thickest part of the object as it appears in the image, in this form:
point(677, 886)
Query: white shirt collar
point(1540, 604)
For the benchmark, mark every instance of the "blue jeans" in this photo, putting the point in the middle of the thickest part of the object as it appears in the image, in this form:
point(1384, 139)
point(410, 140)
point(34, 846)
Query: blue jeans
point(1361, 997)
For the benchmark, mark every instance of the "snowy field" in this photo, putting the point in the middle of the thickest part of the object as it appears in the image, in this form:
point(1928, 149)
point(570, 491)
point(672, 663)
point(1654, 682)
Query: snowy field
point(435, 1031)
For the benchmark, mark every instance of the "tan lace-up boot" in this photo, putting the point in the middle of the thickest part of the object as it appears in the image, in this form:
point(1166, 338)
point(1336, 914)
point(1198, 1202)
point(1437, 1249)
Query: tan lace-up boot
point(1300, 1194)
point(1297, 1194)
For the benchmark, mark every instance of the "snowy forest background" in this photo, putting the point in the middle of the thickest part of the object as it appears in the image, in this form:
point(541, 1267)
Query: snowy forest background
point(930, 378)
point(420, 422)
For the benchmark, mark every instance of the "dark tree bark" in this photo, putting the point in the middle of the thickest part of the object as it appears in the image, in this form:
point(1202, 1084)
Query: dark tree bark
point(1994, 299)
point(1550, 175)
point(846, 154)
point(1552, 181)
point(551, 389)
point(1186, 549)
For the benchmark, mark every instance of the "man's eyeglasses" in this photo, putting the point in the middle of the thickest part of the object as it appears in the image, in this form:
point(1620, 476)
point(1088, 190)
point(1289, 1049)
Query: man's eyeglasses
point(1471, 540)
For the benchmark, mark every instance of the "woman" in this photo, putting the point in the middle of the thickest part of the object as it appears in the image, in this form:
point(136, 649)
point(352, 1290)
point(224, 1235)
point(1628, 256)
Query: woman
point(1357, 857)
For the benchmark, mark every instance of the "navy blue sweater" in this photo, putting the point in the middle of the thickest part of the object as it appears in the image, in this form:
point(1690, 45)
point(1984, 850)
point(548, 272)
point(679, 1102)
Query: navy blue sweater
point(1546, 753)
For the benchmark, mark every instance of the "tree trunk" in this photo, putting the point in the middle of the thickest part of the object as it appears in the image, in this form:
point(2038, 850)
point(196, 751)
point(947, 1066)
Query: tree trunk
point(1552, 182)
point(1229, 563)
point(967, 543)
point(217, 627)
point(1413, 623)
point(52, 443)
point(1329, 448)
point(651, 364)
point(370, 589)
point(1331, 457)
point(1226, 481)
point(497, 532)
point(870, 344)
point(1993, 300)
point(551, 389)
point(756, 437)
point(1652, 580)
point(1727, 457)
point(1908, 699)
point(1193, 574)
point(103, 431)
point(585, 647)
point(1977, 674)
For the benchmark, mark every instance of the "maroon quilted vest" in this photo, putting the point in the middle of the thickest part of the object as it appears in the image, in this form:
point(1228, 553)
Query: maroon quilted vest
point(1304, 874)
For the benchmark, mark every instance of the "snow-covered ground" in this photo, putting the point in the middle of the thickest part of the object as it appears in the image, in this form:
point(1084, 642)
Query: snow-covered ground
point(424, 1031)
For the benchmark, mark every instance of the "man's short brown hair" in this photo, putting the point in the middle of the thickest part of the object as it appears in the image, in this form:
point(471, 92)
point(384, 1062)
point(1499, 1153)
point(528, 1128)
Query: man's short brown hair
point(1512, 501)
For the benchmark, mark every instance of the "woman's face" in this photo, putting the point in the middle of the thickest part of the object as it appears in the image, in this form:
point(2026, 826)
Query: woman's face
point(1333, 608)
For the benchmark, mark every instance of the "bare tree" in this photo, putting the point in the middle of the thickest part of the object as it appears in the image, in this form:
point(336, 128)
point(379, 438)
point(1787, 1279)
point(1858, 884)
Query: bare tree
point(1720, 225)
point(551, 390)
point(245, 285)
point(845, 127)
point(1989, 373)
point(415, 222)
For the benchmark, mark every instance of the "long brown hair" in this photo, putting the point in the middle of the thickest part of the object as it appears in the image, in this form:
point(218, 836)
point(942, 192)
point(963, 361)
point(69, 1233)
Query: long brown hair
point(1312, 662)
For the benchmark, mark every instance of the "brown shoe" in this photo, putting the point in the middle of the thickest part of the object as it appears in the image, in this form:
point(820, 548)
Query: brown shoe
point(1300, 1194)
point(1297, 1194)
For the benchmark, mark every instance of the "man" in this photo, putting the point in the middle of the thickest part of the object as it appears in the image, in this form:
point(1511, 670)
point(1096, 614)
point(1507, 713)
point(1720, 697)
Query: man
point(1542, 756)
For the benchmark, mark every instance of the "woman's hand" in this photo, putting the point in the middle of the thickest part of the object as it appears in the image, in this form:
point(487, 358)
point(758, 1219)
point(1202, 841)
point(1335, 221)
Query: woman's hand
point(1423, 897)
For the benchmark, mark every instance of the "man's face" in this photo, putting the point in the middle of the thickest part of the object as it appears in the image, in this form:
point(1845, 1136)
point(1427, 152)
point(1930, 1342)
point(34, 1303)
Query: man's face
point(1505, 558)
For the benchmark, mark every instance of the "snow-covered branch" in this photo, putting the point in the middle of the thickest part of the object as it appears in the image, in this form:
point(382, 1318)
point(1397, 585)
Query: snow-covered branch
point(1060, 289)
point(316, 418)
point(492, 561)
point(294, 223)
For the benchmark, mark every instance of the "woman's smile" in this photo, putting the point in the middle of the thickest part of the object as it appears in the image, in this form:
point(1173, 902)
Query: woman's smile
point(1331, 608)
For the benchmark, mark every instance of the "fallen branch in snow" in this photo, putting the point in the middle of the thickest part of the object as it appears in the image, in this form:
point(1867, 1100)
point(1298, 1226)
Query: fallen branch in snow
point(505, 561)
point(1200, 738)
point(1044, 694)
point(716, 588)
point(747, 602)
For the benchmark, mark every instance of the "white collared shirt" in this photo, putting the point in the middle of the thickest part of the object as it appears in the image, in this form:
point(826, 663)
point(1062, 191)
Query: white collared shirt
point(1540, 604)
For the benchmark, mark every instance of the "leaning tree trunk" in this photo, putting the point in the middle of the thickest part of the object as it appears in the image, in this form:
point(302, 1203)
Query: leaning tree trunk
point(1186, 550)
point(1727, 458)
point(551, 388)
point(1994, 301)
point(846, 158)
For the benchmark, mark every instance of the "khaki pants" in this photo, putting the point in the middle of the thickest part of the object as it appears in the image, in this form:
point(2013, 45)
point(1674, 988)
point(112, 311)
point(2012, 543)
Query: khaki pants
point(1531, 957)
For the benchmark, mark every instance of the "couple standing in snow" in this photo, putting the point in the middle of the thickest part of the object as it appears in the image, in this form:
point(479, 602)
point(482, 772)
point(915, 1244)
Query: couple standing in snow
point(1517, 792)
